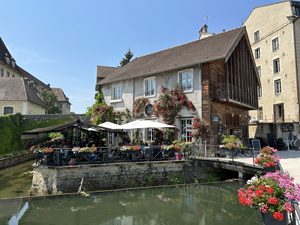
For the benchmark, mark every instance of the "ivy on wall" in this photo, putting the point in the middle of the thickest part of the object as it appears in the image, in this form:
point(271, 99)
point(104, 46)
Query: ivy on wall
point(10, 135)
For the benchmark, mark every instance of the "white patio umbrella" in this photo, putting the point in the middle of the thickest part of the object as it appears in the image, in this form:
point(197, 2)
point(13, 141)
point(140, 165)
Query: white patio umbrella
point(144, 124)
point(110, 125)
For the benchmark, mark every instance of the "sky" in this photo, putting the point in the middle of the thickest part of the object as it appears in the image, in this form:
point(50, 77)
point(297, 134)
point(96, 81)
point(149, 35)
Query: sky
point(61, 42)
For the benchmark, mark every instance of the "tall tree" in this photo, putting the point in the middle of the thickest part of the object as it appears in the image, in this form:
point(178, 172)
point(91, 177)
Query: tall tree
point(50, 100)
point(128, 56)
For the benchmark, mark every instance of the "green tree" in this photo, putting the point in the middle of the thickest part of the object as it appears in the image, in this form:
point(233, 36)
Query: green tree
point(128, 56)
point(50, 100)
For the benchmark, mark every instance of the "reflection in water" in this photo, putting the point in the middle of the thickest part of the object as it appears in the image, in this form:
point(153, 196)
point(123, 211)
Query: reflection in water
point(193, 204)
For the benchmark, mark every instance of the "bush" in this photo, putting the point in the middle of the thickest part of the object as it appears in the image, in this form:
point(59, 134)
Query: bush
point(10, 135)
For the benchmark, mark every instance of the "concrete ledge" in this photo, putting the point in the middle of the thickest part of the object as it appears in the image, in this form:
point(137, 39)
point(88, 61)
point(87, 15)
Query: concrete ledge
point(13, 160)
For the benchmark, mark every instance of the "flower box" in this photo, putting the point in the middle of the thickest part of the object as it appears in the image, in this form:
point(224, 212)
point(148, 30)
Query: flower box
point(270, 220)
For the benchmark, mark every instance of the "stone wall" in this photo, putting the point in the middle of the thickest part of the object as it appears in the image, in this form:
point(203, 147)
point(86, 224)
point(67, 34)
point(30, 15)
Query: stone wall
point(51, 180)
point(82, 117)
point(13, 160)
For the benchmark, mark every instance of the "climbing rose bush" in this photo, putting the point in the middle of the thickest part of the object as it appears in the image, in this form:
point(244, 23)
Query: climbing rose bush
point(198, 128)
point(138, 107)
point(270, 193)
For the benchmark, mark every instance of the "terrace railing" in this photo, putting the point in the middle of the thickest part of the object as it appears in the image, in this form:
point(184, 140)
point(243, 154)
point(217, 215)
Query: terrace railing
point(62, 156)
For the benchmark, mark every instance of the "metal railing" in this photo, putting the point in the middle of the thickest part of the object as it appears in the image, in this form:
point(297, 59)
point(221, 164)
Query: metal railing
point(63, 156)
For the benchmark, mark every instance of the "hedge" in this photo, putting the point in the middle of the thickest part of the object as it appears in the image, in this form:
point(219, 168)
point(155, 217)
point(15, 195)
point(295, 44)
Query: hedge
point(10, 135)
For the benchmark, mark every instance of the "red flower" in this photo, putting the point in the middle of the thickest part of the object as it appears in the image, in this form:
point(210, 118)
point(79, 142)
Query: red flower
point(273, 201)
point(278, 215)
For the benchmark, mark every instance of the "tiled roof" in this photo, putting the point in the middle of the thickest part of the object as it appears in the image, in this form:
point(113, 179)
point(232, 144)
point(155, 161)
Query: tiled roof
point(208, 49)
point(16, 89)
point(61, 97)
point(34, 79)
point(3, 51)
point(104, 71)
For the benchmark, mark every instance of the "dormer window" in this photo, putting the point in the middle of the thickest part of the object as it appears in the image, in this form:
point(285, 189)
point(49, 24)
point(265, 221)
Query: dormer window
point(33, 85)
point(7, 59)
point(13, 62)
point(28, 82)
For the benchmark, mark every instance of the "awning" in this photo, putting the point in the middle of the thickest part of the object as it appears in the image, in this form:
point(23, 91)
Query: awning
point(60, 127)
point(144, 124)
point(110, 125)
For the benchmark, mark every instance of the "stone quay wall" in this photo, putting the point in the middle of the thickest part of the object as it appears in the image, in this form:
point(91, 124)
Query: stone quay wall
point(51, 180)
point(13, 160)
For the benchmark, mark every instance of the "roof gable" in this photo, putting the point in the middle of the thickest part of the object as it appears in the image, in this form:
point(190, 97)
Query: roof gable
point(192, 53)
point(61, 97)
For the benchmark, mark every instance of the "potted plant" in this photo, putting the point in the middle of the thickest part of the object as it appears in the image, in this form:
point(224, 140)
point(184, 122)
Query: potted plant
point(71, 162)
point(45, 150)
point(271, 194)
point(267, 158)
point(229, 145)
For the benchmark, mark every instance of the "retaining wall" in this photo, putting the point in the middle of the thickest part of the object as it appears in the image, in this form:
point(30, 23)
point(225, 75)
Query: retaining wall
point(13, 160)
point(82, 117)
point(51, 180)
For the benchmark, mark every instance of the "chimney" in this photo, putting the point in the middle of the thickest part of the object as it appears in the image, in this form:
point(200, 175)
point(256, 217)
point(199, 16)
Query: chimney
point(203, 32)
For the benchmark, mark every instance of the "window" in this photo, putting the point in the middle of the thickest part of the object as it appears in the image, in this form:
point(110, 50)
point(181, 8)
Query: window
point(275, 44)
point(185, 127)
point(297, 10)
point(259, 91)
point(259, 71)
point(117, 92)
point(8, 110)
point(257, 53)
point(186, 80)
point(277, 84)
point(149, 86)
point(7, 74)
point(1, 72)
point(150, 134)
point(276, 65)
point(256, 36)
point(110, 138)
point(13, 75)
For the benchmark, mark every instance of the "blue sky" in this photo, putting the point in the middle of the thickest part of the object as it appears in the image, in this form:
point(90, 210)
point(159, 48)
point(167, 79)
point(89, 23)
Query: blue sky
point(61, 42)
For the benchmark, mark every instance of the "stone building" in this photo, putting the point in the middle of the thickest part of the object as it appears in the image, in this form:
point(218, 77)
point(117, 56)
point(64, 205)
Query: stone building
point(217, 74)
point(274, 34)
point(63, 100)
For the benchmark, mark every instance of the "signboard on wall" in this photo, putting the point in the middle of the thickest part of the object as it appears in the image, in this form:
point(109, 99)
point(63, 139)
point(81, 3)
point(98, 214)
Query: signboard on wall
point(289, 127)
point(215, 118)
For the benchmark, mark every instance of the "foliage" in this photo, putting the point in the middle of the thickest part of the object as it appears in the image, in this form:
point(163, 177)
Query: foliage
point(50, 100)
point(14, 152)
point(270, 193)
point(102, 114)
point(150, 179)
point(138, 107)
point(128, 56)
point(198, 128)
point(10, 135)
point(84, 149)
point(53, 135)
point(168, 105)
point(231, 139)
point(267, 157)
point(175, 179)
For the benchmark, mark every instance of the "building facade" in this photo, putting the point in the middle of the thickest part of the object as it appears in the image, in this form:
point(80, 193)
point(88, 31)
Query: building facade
point(217, 73)
point(274, 34)
point(63, 100)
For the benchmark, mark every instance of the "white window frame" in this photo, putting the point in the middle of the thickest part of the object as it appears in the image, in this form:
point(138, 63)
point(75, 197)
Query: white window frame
point(8, 106)
point(192, 79)
point(150, 132)
point(113, 93)
point(256, 37)
point(110, 138)
point(257, 53)
point(275, 44)
point(276, 66)
point(187, 133)
point(7, 74)
point(259, 91)
point(258, 68)
point(277, 86)
point(154, 86)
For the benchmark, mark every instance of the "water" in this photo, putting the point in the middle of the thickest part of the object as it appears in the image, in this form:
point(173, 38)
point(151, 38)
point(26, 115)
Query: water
point(11, 185)
point(207, 204)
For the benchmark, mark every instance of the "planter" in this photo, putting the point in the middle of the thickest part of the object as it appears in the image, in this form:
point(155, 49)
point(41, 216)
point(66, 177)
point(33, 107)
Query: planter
point(270, 220)
point(71, 163)
point(178, 155)
point(270, 169)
